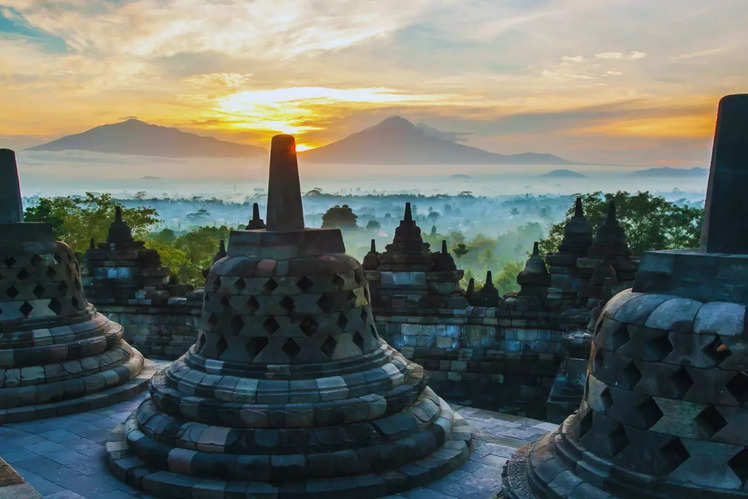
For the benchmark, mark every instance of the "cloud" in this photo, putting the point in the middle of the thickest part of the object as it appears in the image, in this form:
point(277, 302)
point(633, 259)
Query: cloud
point(14, 25)
point(633, 55)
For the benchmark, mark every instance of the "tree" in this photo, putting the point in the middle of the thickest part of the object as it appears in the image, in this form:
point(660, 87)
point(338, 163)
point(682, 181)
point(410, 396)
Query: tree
point(77, 219)
point(460, 250)
point(339, 217)
point(650, 222)
point(373, 225)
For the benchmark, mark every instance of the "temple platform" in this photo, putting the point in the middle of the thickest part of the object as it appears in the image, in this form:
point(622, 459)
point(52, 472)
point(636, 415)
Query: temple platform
point(64, 457)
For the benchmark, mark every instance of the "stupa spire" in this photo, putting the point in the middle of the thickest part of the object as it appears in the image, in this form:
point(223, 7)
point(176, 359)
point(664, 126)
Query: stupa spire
point(284, 210)
point(725, 211)
point(408, 214)
point(11, 208)
point(256, 222)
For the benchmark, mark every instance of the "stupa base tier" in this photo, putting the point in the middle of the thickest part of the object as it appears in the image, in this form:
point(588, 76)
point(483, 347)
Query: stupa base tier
point(356, 472)
point(109, 396)
point(557, 467)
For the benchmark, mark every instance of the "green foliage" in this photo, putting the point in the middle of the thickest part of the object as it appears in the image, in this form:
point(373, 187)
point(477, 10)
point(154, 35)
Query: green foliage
point(460, 250)
point(77, 219)
point(650, 222)
point(339, 217)
point(187, 255)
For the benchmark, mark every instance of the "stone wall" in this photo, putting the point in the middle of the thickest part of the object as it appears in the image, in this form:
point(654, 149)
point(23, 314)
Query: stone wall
point(158, 331)
point(493, 358)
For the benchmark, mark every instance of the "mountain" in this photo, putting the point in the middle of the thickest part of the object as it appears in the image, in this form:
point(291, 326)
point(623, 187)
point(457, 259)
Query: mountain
point(398, 141)
point(673, 172)
point(563, 174)
point(137, 137)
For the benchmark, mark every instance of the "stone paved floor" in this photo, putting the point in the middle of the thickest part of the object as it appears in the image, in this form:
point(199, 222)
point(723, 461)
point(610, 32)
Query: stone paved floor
point(63, 458)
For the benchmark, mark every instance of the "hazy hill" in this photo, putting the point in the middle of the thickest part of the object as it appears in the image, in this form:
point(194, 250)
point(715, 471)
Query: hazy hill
point(672, 172)
point(137, 137)
point(398, 141)
point(563, 174)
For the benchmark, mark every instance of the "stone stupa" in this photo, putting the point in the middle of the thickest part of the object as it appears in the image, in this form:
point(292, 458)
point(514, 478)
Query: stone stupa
point(664, 413)
point(58, 355)
point(289, 390)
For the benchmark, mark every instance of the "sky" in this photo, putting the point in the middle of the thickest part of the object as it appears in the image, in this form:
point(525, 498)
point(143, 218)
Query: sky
point(624, 82)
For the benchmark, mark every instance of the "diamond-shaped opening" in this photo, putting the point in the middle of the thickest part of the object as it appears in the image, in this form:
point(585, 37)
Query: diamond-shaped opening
point(670, 456)
point(237, 323)
point(54, 306)
point(328, 347)
point(599, 360)
point(585, 424)
point(200, 342)
point(630, 376)
point(256, 344)
point(606, 398)
point(212, 319)
point(342, 320)
point(617, 440)
point(23, 274)
point(682, 381)
point(221, 346)
point(240, 284)
point(658, 348)
point(26, 308)
point(717, 351)
point(738, 387)
point(270, 286)
point(338, 281)
point(36, 260)
point(216, 284)
point(76, 302)
point(739, 465)
point(304, 283)
point(11, 292)
point(710, 421)
point(252, 304)
point(358, 340)
point(291, 348)
point(373, 331)
point(364, 315)
point(51, 272)
point(648, 412)
point(620, 336)
point(271, 325)
point(325, 302)
point(38, 290)
point(288, 303)
point(308, 326)
point(62, 287)
point(10, 261)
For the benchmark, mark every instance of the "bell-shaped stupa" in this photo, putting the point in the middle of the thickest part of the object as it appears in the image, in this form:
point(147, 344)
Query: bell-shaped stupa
point(289, 390)
point(665, 404)
point(57, 354)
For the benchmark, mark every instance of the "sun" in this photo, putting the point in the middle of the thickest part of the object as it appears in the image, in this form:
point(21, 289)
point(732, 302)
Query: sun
point(302, 147)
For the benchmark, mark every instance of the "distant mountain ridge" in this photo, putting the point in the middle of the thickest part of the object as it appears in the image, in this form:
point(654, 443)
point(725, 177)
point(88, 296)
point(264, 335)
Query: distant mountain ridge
point(137, 137)
point(672, 172)
point(398, 141)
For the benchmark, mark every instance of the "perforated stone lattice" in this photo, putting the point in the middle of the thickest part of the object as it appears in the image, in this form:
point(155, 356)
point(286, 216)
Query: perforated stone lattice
point(313, 318)
point(37, 285)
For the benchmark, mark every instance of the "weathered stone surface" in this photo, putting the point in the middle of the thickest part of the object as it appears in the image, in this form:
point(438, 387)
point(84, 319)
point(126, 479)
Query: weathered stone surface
point(289, 382)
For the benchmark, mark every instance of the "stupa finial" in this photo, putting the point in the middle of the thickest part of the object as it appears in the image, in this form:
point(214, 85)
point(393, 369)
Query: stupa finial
point(444, 246)
point(284, 210)
point(408, 214)
point(11, 208)
point(578, 209)
point(725, 211)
